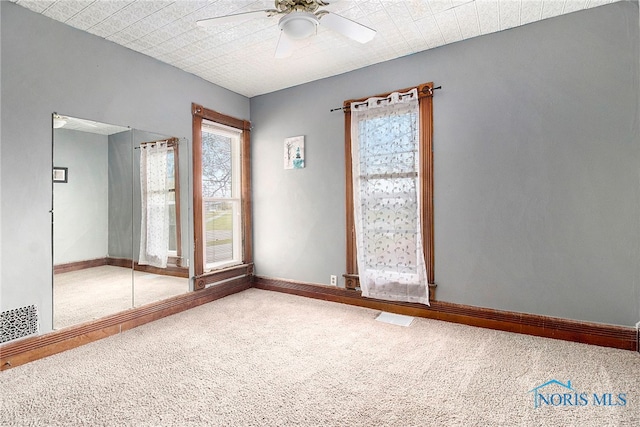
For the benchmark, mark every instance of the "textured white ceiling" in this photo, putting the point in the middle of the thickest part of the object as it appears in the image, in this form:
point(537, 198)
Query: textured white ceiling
point(239, 56)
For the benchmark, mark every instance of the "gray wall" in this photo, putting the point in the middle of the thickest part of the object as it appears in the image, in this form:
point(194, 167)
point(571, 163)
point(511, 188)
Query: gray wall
point(537, 168)
point(81, 226)
point(537, 197)
point(46, 67)
point(121, 203)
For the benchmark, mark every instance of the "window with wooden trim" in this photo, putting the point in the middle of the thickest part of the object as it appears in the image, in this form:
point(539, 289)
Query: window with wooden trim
point(222, 204)
point(424, 171)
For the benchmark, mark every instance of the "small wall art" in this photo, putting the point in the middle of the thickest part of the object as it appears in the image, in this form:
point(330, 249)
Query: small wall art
point(60, 174)
point(294, 152)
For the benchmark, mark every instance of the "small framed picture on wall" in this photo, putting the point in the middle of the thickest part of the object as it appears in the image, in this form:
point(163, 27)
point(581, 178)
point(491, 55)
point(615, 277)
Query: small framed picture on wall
point(60, 174)
point(294, 152)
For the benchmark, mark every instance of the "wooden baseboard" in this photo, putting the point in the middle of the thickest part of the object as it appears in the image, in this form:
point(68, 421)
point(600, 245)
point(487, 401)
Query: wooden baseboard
point(530, 324)
point(22, 351)
point(19, 352)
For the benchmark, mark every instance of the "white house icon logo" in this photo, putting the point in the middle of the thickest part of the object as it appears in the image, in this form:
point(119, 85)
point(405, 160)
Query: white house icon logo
point(565, 395)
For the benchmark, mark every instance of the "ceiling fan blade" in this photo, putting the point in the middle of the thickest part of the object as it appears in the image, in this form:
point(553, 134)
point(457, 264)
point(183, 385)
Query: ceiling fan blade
point(237, 17)
point(347, 27)
point(285, 46)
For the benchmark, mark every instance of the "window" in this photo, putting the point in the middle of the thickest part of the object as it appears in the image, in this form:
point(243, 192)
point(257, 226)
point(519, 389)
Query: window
point(221, 196)
point(392, 180)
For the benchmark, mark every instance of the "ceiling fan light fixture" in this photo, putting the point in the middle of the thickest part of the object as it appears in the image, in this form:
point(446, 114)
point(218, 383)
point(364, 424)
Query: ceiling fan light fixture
point(298, 25)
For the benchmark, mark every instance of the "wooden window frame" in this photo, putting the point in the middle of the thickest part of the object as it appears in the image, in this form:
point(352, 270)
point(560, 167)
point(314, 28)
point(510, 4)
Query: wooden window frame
point(425, 105)
point(203, 278)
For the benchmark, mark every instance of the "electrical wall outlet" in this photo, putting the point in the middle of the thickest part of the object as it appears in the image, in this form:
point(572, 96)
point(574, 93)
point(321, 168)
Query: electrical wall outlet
point(334, 280)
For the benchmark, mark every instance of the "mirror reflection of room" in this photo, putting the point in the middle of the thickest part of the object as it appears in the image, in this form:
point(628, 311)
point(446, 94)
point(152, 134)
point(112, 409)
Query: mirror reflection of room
point(97, 222)
point(162, 269)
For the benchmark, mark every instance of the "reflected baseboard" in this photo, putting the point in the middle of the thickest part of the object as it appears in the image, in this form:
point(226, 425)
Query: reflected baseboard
point(171, 270)
point(79, 265)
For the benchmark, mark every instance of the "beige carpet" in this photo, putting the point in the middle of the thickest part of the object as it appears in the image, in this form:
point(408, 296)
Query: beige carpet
point(261, 358)
point(89, 294)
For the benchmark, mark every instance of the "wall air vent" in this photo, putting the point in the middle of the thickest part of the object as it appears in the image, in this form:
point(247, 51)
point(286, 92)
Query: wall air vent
point(18, 323)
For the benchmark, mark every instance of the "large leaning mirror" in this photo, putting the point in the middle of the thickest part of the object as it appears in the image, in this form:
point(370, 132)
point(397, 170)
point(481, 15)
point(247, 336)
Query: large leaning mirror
point(98, 219)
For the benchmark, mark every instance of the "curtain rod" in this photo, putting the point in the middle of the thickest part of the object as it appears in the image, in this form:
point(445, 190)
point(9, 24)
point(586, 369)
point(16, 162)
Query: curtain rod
point(171, 142)
point(426, 89)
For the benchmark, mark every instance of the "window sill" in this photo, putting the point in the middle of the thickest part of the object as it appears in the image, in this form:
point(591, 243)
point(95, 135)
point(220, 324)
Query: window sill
point(223, 265)
point(216, 276)
point(352, 282)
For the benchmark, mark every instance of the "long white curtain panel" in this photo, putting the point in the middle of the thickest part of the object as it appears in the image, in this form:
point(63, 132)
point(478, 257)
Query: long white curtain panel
point(386, 187)
point(154, 191)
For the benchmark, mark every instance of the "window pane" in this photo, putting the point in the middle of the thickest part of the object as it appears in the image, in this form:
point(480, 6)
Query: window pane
point(171, 201)
point(218, 227)
point(217, 162)
point(388, 194)
point(220, 203)
point(379, 257)
point(390, 220)
point(389, 144)
point(171, 171)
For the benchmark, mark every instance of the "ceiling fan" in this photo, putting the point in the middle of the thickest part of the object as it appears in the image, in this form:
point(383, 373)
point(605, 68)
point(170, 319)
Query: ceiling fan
point(300, 20)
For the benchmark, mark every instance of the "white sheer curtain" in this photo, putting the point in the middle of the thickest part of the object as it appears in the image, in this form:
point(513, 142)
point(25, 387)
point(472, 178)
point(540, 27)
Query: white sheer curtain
point(386, 187)
point(154, 191)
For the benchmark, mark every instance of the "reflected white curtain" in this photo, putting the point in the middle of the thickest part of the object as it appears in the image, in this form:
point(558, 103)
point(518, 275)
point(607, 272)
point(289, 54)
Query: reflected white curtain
point(386, 187)
point(154, 191)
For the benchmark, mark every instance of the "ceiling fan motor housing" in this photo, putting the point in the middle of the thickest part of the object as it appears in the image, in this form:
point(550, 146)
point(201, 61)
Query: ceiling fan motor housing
point(288, 6)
